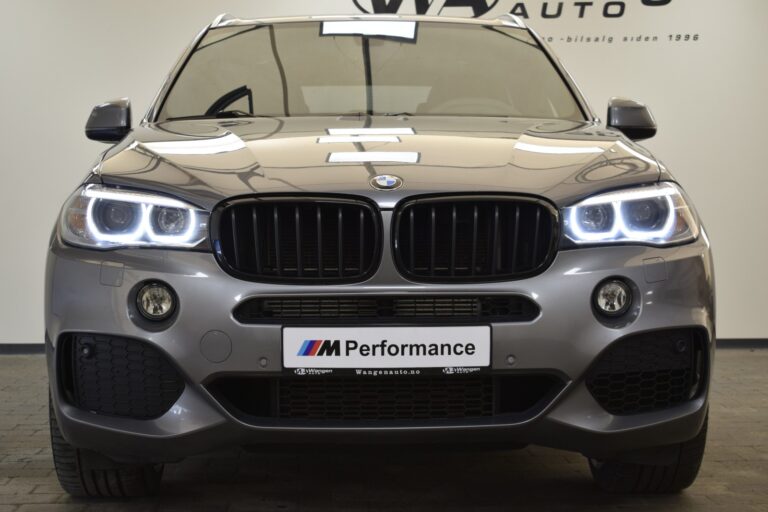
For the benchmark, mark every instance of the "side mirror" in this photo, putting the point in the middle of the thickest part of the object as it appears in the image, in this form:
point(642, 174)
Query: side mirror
point(631, 118)
point(109, 122)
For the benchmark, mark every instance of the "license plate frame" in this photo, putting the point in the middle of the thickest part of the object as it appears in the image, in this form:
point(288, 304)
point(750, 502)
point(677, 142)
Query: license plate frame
point(404, 347)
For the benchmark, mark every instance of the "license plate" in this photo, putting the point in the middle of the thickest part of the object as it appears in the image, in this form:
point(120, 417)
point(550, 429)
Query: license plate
point(386, 347)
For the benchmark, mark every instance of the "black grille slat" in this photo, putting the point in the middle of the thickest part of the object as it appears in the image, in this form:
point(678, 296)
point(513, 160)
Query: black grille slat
point(278, 249)
point(235, 242)
point(648, 372)
point(516, 239)
point(340, 241)
point(297, 239)
point(257, 255)
point(119, 376)
point(432, 245)
point(387, 309)
point(453, 241)
point(412, 234)
point(320, 268)
point(536, 235)
point(299, 262)
point(495, 241)
point(474, 238)
point(361, 241)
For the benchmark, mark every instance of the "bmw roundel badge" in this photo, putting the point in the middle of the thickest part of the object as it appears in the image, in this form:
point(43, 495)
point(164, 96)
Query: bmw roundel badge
point(386, 182)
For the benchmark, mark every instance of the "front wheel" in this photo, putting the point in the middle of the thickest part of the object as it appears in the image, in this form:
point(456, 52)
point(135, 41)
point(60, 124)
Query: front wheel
point(88, 474)
point(628, 477)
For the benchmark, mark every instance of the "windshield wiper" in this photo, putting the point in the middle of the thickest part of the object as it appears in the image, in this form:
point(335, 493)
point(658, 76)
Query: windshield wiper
point(396, 114)
point(224, 114)
point(227, 114)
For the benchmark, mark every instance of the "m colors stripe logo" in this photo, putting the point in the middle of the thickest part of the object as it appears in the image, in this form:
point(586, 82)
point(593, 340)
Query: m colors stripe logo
point(320, 348)
point(387, 347)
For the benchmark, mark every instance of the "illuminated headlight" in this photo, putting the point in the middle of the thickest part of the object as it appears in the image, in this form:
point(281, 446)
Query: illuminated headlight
point(653, 215)
point(105, 218)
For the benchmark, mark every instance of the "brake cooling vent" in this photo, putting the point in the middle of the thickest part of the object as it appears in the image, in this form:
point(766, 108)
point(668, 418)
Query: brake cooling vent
point(118, 376)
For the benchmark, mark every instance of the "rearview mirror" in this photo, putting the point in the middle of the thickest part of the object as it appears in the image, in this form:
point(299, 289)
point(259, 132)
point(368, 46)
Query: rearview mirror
point(109, 122)
point(631, 118)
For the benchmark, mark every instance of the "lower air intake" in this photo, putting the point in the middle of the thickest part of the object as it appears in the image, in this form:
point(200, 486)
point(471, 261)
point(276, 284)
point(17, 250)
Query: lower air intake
point(414, 398)
point(118, 376)
point(650, 371)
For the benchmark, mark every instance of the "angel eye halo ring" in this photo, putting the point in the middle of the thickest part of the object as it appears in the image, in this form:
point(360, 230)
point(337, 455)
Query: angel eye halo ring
point(102, 217)
point(651, 215)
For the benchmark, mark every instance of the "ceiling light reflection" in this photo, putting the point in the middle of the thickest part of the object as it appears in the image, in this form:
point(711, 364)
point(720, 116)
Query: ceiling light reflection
point(558, 150)
point(398, 29)
point(404, 157)
point(337, 139)
point(225, 144)
point(371, 131)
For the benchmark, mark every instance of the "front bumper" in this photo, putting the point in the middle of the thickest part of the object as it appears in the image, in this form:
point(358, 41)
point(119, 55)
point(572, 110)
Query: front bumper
point(89, 292)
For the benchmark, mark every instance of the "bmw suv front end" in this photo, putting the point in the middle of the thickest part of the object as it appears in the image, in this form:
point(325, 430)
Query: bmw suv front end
point(327, 230)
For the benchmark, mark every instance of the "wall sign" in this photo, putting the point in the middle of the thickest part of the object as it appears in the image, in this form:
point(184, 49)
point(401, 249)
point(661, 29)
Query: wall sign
point(527, 10)
point(581, 13)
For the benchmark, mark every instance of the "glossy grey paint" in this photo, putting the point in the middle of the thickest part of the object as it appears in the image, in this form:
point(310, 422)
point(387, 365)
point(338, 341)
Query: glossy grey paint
point(197, 423)
point(205, 162)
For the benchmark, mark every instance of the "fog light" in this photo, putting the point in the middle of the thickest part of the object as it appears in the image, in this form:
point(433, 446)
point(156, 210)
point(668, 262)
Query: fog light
point(156, 301)
point(612, 297)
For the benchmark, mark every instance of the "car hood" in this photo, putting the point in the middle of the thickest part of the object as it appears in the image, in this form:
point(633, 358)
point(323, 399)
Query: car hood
point(206, 161)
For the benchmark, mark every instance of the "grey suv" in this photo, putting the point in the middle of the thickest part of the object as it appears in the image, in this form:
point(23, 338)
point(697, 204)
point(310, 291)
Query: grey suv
point(376, 229)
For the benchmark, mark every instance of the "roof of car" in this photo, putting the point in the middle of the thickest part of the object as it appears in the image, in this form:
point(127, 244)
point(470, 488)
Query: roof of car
point(509, 20)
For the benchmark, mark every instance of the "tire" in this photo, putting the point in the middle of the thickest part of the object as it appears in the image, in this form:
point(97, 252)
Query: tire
point(627, 477)
point(88, 474)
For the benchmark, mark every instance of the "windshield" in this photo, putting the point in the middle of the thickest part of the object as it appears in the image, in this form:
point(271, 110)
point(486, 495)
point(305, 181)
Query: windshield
point(369, 67)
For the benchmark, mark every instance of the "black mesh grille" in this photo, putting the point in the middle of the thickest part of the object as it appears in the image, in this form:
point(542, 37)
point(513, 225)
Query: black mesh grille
point(500, 308)
point(473, 238)
point(382, 399)
point(338, 398)
point(298, 239)
point(118, 376)
point(648, 372)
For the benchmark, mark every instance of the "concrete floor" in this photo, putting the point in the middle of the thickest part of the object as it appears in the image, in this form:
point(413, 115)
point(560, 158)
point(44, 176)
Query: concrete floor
point(733, 477)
